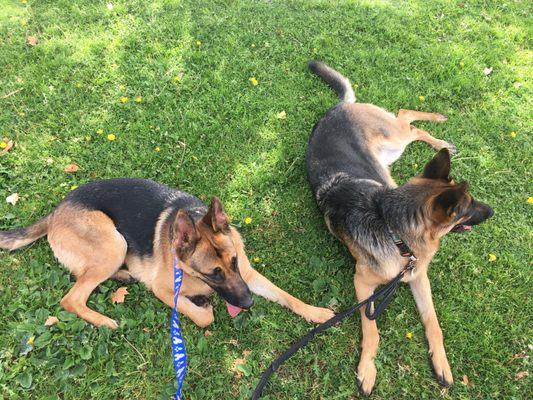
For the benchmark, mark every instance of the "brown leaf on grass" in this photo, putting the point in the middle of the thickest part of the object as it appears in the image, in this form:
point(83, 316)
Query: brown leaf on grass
point(12, 199)
point(6, 147)
point(145, 329)
point(207, 333)
point(71, 168)
point(465, 381)
point(521, 374)
point(236, 363)
point(51, 320)
point(119, 295)
point(32, 40)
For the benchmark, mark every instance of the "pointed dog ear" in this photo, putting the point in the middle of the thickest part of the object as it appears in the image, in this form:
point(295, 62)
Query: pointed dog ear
point(216, 218)
point(185, 235)
point(439, 166)
point(450, 199)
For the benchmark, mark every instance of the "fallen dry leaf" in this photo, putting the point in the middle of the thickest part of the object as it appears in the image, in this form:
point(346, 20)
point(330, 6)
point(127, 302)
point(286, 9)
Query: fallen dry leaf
point(487, 71)
point(207, 333)
point(12, 199)
point(145, 329)
point(71, 168)
point(51, 320)
point(236, 363)
point(32, 40)
point(8, 146)
point(464, 381)
point(119, 295)
point(521, 374)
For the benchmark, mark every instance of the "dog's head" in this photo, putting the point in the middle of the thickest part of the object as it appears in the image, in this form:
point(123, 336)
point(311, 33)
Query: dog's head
point(207, 252)
point(449, 207)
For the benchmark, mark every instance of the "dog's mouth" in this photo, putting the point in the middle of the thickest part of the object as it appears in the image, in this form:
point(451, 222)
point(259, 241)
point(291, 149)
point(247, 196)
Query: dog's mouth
point(233, 311)
point(460, 228)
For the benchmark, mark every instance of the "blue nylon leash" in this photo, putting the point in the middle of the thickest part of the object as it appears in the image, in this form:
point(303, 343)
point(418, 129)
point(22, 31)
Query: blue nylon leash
point(179, 354)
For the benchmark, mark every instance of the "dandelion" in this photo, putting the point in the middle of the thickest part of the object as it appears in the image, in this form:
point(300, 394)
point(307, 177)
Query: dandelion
point(111, 137)
point(3, 145)
point(513, 134)
point(121, 87)
point(78, 85)
point(530, 200)
point(256, 260)
point(421, 98)
point(409, 335)
point(73, 187)
point(492, 257)
point(462, 64)
point(124, 99)
point(138, 99)
point(100, 131)
point(177, 78)
point(198, 43)
point(253, 45)
point(23, 22)
point(87, 138)
point(31, 341)
point(158, 149)
point(247, 220)
point(253, 81)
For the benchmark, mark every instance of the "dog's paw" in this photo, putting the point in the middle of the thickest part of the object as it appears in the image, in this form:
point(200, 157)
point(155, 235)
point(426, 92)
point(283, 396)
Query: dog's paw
point(108, 322)
point(440, 117)
point(441, 368)
point(317, 314)
point(451, 148)
point(366, 377)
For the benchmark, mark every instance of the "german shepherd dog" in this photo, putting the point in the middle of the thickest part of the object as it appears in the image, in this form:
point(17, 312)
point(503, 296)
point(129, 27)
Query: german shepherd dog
point(347, 162)
point(103, 225)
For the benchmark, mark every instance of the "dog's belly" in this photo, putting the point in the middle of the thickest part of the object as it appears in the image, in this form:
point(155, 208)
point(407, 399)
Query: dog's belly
point(388, 153)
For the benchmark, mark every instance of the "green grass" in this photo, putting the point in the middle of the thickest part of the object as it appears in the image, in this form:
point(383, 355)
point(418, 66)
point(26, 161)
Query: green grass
point(219, 135)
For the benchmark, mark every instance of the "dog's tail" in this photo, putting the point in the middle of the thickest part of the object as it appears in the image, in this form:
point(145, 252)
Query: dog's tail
point(12, 240)
point(338, 82)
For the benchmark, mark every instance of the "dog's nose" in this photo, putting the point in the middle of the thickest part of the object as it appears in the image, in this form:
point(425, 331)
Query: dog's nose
point(490, 212)
point(247, 303)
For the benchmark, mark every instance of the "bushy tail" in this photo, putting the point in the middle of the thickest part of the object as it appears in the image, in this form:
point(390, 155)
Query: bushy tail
point(338, 82)
point(12, 240)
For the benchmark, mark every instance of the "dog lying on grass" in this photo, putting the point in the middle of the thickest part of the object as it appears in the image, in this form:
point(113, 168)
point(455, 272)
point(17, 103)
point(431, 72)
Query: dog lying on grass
point(349, 152)
point(139, 223)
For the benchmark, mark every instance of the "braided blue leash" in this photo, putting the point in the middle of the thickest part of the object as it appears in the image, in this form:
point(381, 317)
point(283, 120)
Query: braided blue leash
point(178, 345)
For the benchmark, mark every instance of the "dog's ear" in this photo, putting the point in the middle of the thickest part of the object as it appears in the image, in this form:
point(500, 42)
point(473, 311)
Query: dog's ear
point(216, 218)
point(185, 235)
point(451, 199)
point(439, 166)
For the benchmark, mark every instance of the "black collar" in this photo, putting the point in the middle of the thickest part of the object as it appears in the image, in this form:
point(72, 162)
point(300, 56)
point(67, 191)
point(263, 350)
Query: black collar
point(405, 251)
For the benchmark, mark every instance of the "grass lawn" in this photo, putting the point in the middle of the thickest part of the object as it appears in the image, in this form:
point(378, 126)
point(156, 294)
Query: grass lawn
point(201, 125)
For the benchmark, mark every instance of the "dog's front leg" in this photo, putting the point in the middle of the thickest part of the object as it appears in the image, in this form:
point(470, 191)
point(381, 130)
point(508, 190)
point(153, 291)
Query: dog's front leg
point(366, 371)
point(421, 289)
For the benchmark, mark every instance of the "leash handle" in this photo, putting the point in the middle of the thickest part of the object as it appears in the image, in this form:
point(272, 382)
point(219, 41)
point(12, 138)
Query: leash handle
point(179, 354)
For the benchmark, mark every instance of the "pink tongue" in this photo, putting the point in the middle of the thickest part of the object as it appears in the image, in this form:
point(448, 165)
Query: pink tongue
point(233, 310)
point(467, 227)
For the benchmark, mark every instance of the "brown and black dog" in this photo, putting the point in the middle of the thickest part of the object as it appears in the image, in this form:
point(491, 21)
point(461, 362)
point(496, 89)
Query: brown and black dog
point(103, 225)
point(347, 162)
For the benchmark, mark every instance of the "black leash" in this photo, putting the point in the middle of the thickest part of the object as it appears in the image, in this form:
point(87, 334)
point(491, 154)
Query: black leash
point(383, 296)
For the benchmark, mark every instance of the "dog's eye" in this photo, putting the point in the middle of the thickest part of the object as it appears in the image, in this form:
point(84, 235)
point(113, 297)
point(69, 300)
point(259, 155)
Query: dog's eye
point(217, 275)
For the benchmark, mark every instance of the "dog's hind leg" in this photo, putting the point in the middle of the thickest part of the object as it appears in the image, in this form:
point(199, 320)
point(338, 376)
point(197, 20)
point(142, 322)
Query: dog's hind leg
point(88, 244)
point(421, 289)
point(366, 370)
point(437, 144)
point(411, 115)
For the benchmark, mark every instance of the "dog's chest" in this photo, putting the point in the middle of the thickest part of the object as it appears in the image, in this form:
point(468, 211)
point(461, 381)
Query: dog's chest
point(387, 153)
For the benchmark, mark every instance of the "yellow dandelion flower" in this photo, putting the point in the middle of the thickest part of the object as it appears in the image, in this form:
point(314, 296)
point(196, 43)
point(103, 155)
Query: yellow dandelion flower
point(158, 149)
point(78, 85)
point(138, 99)
point(513, 134)
point(198, 43)
point(23, 1)
point(256, 260)
point(421, 98)
point(31, 340)
point(111, 137)
point(492, 257)
point(124, 99)
point(530, 200)
point(3, 145)
point(73, 187)
point(253, 81)
point(24, 22)
point(409, 335)
point(177, 78)
point(100, 131)
point(88, 138)
point(462, 64)
point(247, 220)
